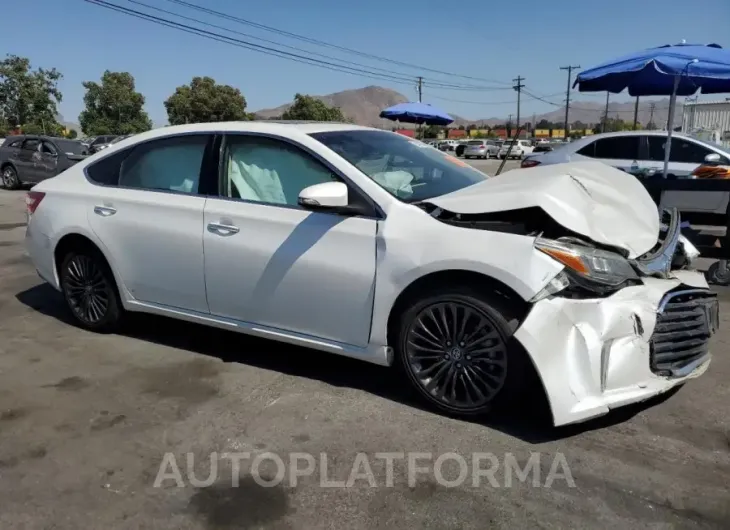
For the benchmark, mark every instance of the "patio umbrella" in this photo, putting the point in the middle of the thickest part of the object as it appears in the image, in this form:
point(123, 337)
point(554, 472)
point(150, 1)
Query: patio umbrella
point(670, 70)
point(416, 112)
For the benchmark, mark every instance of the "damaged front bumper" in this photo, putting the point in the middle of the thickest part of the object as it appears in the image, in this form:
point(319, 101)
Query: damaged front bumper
point(595, 354)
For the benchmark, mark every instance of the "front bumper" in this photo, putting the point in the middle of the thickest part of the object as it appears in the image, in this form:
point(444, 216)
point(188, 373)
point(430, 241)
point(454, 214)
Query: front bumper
point(597, 354)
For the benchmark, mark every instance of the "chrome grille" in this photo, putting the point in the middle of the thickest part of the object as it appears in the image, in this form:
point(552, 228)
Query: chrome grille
point(685, 322)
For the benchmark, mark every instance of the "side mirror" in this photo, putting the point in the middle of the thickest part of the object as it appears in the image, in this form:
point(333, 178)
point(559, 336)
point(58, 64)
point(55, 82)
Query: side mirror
point(328, 195)
point(712, 158)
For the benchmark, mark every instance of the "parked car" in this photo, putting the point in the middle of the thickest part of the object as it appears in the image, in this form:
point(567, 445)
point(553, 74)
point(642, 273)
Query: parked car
point(30, 159)
point(515, 149)
point(630, 148)
point(481, 149)
point(542, 147)
point(101, 142)
point(365, 243)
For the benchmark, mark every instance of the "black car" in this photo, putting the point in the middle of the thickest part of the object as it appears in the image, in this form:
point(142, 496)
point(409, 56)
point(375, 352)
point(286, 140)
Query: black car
point(542, 148)
point(101, 142)
point(31, 159)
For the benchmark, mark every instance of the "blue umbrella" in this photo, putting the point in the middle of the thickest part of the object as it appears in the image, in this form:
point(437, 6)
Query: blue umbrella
point(416, 112)
point(670, 70)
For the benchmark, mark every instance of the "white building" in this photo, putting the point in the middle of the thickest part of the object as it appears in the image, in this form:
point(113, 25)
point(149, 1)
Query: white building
point(708, 117)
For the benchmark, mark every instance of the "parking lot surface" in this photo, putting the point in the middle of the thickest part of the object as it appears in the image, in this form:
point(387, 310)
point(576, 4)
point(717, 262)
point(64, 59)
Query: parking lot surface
point(86, 421)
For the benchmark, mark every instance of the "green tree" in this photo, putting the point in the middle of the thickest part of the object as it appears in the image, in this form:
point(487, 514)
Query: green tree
point(28, 98)
point(544, 124)
point(113, 106)
point(72, 134)
point(310, 108)
point(651, 126)
point(578, 125)
point(205, 101)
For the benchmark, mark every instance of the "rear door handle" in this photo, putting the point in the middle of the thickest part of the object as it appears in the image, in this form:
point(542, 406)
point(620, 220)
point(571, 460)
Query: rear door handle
point(222, 229)
point(104, 211)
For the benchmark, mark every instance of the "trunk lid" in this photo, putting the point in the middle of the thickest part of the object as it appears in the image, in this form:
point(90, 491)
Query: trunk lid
point(597, 201)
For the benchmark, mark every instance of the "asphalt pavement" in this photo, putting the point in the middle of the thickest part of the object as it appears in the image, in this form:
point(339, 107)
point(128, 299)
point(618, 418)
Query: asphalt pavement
point(86, 422)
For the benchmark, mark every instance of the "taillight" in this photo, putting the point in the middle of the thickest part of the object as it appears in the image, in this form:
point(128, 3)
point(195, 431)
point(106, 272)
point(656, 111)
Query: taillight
point(32, 200)
point(529, 163)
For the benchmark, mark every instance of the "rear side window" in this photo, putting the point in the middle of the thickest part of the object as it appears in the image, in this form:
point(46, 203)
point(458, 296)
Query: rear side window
point(106, 170)
point(170, 164)
point(619, 147)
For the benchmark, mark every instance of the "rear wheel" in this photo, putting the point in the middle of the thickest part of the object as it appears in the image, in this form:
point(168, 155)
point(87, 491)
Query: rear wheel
point(10, 178)
point(453, 344)
point(90, 291)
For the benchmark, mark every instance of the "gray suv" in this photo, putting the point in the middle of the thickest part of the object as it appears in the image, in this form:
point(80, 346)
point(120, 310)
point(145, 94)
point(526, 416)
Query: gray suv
point(31, 159)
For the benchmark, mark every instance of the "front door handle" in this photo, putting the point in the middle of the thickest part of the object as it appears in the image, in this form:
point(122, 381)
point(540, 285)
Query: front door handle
point(104, 211)
point(222, 229)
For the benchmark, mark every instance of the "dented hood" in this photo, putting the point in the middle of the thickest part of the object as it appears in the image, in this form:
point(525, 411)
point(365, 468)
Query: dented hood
point(602, 203)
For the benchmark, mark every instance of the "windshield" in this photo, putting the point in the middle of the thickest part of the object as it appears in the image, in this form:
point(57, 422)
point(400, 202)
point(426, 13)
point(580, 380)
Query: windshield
point(71, 147)
point(407, 169)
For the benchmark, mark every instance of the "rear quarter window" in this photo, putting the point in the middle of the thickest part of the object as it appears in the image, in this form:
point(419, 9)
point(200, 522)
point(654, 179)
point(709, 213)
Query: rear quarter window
point(106, 170)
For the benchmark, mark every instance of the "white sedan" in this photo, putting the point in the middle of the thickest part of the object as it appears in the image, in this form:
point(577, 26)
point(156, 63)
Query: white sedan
point(368, 244)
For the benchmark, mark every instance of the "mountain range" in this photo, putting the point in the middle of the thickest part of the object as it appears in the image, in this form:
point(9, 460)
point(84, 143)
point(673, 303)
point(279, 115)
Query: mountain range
point(364, 105)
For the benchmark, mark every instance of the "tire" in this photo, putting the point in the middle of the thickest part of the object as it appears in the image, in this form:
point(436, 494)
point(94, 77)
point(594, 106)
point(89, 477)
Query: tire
point(716, 277)
point(483, 378)
point(10, 178)
point(90, 291)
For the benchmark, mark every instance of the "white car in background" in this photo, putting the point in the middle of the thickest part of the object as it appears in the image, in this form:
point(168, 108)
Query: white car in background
point(368, 244)
point(515, 149)
point(631, 149)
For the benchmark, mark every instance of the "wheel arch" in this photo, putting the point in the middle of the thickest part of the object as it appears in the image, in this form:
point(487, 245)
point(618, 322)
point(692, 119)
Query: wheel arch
point(77, 240)
point(512, 302)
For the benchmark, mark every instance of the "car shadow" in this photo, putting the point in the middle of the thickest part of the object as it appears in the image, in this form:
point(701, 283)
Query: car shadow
point(529, 420)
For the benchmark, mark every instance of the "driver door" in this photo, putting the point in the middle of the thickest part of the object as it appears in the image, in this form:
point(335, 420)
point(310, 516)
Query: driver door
point(270, 262)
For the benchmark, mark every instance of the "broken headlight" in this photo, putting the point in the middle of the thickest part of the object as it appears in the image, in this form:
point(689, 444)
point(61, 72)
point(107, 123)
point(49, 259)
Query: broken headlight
point(591, 269)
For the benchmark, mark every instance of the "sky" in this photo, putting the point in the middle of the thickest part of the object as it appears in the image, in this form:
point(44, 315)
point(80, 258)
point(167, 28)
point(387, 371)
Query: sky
point(487, 43)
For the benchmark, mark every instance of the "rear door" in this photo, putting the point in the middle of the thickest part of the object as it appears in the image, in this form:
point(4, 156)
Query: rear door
point(148, 213)
point(27, 159)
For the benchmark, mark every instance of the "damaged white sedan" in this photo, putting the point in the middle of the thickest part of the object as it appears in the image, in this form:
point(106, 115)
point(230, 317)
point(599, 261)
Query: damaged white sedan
point(368, 244)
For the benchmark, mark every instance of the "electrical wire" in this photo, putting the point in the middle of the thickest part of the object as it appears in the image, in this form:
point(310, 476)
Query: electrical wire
point(361, 70)
point(330, 45)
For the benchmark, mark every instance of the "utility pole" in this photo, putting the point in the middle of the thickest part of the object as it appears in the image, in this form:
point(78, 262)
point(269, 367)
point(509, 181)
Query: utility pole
point(567, 95)
point(605, 114)
point(518, 87)
point(420, 89)
point(652, 106)
point(636, 112)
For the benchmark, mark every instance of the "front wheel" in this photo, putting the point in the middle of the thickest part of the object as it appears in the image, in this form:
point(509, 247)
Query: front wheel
point(453, 346)
point(90, 291)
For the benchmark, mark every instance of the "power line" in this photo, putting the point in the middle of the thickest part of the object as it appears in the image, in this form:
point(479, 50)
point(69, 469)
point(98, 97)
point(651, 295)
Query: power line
point(250, 36)
point(358, 69)
point(567, 96)
point(251, 46)
point(317, 42)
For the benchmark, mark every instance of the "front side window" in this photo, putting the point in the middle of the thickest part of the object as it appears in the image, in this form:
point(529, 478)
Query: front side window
point(400, 165)
point(168, 164)
point(48, 149)
point(269, 171)
point(683, 151)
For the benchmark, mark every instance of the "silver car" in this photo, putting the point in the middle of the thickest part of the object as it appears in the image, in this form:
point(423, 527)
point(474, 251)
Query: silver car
point(481, 149)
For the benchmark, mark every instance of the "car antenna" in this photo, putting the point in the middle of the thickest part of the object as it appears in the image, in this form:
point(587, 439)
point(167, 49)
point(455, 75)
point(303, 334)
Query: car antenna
point(509, 150)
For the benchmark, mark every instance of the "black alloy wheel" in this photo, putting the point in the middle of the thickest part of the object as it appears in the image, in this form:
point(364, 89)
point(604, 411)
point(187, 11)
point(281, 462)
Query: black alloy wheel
point(89, 289)
point(10, 178)
point(454, 350)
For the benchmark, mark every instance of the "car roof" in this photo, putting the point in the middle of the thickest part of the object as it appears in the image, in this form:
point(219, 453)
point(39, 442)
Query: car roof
point(636, 133)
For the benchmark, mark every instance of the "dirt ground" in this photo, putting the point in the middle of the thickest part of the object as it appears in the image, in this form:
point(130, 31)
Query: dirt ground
point(86, 420)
